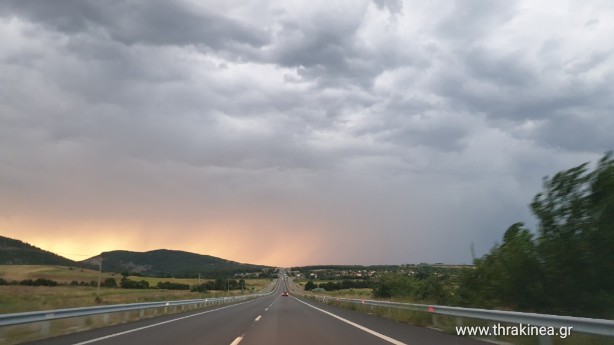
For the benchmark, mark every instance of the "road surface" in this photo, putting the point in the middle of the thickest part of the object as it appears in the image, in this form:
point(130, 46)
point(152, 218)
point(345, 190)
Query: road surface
point(266, 321)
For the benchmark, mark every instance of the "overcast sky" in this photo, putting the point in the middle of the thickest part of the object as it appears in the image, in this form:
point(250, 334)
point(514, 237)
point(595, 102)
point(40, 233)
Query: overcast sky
point(292, 133)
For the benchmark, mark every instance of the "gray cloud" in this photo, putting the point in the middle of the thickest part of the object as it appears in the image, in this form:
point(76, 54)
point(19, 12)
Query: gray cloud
point(146, 22)
point(411, 129)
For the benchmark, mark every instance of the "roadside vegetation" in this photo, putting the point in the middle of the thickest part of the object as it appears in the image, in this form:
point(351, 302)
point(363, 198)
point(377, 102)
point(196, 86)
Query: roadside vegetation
point(564, 267)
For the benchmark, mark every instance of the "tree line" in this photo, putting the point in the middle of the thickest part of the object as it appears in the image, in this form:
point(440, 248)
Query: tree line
point(220, 284)
point(565, 267)
point(334, 286)
point(126, 283)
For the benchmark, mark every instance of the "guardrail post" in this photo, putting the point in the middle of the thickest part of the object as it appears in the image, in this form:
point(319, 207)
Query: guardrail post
point(545, 340)
point(45, 326)
point(142, 313)
point(105, 318)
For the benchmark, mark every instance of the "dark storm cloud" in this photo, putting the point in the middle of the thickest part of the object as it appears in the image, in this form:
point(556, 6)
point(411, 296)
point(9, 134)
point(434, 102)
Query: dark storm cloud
point(141, 22)
point(324, 49)
point(418, 128)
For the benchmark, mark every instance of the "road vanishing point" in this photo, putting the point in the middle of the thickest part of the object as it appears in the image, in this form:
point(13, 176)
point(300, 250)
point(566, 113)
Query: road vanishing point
point(270, 320)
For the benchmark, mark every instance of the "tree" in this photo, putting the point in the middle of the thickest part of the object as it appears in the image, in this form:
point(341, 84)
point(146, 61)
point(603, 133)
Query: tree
point(394, 285)
point(126, 283)
point(600, 237)
point(576, 237)
point(109, 282)
point(310, 285)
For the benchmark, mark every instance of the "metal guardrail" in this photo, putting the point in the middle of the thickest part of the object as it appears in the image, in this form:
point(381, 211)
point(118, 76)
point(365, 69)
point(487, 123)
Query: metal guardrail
point(579, 324)
point(48, 315)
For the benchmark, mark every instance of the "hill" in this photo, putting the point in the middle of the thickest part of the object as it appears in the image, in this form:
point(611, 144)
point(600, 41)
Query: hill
point(16, 252)
point(170, 263)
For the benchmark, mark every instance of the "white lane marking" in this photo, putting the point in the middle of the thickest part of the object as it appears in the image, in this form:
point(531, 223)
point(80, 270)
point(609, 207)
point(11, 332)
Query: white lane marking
point(157, 324)
point(236, 341)
point(370, 331)
point(258, 318)
point(266, 309)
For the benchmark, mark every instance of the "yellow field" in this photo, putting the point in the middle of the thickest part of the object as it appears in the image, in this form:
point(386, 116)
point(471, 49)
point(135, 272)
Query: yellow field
point(153, 281)
point(61, 274)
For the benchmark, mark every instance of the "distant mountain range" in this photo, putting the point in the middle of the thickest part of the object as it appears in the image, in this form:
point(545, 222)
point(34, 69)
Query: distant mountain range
point(16, 252)
point(162, 262)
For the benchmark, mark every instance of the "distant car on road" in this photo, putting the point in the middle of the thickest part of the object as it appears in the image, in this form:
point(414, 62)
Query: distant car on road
point(284, 294)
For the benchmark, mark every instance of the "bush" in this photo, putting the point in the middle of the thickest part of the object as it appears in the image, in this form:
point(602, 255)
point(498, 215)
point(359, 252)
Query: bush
point(199, 288)
point(310, 285)
point(173, 286)
point(126, 283)
point(109, 282)
point(38, 282)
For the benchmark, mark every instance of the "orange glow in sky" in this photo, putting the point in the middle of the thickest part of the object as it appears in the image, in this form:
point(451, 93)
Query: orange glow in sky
point(232, 241)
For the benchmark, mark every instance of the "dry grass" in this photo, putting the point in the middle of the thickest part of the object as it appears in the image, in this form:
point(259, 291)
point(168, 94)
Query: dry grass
point(61, 274)
point(17, 298)
point(64, 275)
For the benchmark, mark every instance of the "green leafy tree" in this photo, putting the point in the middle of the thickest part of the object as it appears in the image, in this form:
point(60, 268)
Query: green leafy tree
point(394, 285)
point(567, 268)
point(310, 285)
point(109, 282)
point(576, 237)
point(510, 275)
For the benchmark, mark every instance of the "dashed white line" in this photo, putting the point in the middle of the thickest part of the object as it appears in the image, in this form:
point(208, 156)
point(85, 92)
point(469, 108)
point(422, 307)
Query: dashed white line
point(236, 341)
point(370, 331)
point(266, 309)
point(258, 318)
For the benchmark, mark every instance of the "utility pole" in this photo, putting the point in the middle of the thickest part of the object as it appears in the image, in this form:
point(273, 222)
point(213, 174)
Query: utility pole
point(99, 275)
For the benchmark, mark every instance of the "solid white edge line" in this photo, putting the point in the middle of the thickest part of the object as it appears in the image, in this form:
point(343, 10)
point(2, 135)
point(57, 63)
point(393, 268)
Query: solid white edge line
point(370, 331)
point(258, 318)
point(237, 341)
point(157, 324)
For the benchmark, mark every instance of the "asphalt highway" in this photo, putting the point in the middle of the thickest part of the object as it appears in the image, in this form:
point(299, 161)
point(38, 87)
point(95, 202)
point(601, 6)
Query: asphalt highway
point(266, 321)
